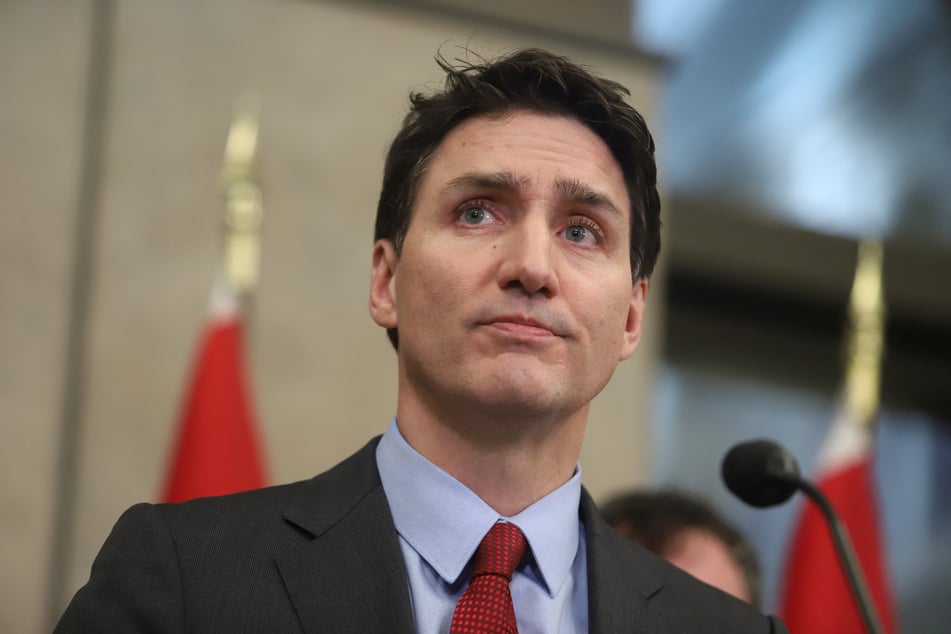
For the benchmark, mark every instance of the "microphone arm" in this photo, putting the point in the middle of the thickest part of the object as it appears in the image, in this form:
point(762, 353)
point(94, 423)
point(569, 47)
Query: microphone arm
point(847, 558)
point(763, 473)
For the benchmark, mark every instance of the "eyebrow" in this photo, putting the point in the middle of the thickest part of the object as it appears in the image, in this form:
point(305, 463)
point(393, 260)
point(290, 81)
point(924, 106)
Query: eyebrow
point(505, 180)
point(578, 192)
point(571, 190)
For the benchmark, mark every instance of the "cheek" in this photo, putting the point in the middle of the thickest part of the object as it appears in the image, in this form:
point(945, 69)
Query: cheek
point(605, 316)
point(431, 291)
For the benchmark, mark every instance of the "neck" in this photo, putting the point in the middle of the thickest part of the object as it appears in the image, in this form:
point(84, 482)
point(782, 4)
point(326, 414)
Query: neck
point(510, 460)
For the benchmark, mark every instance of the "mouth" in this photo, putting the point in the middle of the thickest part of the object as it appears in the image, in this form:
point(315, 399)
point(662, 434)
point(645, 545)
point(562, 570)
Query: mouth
point(522, 326)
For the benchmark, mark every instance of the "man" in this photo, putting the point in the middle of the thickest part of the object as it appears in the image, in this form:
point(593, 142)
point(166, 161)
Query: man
point(517, 225)
point(690, 534)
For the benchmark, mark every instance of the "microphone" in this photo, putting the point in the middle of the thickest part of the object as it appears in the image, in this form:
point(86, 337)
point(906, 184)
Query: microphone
point(762, 474)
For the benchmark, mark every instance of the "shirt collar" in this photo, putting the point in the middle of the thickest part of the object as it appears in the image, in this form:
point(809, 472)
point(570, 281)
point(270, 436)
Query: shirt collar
point(444, 521)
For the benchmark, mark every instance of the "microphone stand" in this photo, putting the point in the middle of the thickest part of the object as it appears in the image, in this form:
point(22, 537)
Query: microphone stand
point(847, 558)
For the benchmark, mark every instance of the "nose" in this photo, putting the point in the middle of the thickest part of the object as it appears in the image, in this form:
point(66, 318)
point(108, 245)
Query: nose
point(528, 258)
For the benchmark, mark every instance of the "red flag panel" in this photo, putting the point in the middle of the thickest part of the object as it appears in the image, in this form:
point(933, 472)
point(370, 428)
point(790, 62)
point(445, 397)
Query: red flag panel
point(817, 599)
point(217, 450)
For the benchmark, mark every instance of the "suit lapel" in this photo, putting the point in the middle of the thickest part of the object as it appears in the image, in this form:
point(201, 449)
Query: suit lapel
point(351, 576)
point(621, 581)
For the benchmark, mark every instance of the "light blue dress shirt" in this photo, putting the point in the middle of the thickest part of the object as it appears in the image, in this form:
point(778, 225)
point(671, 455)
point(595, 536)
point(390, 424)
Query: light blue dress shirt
point(441, 522)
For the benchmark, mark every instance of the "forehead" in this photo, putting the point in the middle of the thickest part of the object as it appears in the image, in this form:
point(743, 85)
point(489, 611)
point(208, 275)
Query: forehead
point(537, 150)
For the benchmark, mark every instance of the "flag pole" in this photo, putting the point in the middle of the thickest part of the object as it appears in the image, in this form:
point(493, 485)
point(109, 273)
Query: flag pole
point(217, 450)
point(815, 593)
point(865, 339)
point(244, 207)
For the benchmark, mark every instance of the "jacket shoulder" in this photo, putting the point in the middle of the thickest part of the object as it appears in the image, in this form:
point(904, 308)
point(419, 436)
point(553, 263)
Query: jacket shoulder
point(210, 561)
point(629, 585)
point(259, 513)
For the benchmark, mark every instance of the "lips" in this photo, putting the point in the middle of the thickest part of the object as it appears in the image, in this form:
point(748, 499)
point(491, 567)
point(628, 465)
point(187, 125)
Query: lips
point(523, 325)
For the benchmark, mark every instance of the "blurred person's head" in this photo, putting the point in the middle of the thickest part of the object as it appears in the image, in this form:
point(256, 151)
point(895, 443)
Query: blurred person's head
point(691, 535)
point(529, 80)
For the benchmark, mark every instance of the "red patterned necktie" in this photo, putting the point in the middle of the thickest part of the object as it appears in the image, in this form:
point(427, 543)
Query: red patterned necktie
point(486, 605)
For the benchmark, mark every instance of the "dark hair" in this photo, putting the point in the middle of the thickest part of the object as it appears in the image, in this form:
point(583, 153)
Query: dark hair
point(530, 79)
point(654, 519)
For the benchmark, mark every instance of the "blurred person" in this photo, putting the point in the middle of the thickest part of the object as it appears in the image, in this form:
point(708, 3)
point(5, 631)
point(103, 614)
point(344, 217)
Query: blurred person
point(690, 534)
point(516, 230)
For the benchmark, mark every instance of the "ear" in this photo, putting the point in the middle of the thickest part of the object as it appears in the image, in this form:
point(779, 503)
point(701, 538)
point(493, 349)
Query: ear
point(635, 318)
point(383, 284)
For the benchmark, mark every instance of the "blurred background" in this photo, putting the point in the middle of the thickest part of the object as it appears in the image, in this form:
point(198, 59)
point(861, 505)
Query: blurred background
point(787, 131)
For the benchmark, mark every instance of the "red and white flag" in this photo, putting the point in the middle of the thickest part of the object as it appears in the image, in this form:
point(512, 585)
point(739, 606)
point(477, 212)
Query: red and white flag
point(217, 450)
point(816, 598)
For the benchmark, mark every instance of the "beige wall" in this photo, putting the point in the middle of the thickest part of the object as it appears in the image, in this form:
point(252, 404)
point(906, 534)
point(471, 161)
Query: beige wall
point(43, 53)
point(334, 80)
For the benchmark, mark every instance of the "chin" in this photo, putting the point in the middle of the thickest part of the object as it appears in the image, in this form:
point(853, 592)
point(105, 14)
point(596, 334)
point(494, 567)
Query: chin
point(522, 398)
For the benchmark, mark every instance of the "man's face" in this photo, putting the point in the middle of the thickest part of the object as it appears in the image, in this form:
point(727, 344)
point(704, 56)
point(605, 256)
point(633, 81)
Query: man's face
point(708, 558)
point(513, 291)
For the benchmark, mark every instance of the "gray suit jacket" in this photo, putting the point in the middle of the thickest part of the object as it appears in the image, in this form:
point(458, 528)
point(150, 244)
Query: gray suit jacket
point(323, 556)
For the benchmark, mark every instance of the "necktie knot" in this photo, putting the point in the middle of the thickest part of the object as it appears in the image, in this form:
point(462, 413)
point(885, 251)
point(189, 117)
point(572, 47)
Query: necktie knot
point(486, 605)
point(501, 550)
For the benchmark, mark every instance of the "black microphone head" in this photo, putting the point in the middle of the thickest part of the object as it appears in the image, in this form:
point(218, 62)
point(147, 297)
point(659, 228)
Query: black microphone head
point(761, 473)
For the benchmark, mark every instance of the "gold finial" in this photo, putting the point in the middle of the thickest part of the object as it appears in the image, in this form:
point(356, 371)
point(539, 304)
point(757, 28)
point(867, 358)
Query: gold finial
point(865, 337)
point(244, 208)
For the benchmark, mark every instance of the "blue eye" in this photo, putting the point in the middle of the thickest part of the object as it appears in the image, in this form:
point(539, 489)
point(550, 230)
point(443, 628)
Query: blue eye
point(577, 233)
point(583, 230)
point(473, 215)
